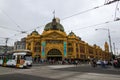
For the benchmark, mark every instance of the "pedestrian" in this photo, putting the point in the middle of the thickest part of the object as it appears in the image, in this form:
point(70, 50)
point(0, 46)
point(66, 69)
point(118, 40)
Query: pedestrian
point(38, 59)
point(35, 59)
point(93, 63)
point(76, 63)
point(102, 64)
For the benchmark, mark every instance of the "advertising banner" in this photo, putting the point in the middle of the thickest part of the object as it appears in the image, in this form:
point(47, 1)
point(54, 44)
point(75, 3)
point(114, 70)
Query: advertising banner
point(65, 49)
point(43, 48)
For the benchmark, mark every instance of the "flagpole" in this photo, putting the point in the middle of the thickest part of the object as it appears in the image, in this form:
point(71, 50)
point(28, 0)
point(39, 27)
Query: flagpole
point(54, 14)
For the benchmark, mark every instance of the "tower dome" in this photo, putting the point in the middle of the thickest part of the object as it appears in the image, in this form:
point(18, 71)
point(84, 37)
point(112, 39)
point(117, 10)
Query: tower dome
point(34, 33)
point(54, 25)
point(71, 34)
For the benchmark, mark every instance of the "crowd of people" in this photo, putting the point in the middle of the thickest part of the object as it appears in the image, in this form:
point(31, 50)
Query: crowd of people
point(55, 61)
point(94, 63)
point(104, 64)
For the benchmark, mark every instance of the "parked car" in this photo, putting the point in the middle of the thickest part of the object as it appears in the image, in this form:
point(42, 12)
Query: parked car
point(105, 62)
point(98, 62)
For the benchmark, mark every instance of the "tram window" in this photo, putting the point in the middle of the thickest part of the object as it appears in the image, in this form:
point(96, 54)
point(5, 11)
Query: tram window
point(22, 57)
point(13, 57)
point(1, 57)
point(9, 57)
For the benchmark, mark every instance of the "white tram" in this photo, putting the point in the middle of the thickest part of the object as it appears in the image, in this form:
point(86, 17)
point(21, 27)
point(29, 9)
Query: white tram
point(19, 59)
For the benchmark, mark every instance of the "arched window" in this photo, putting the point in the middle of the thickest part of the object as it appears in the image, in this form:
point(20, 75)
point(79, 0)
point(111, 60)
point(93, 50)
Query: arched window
point(69, 44)
point(37, 47)
point(54, 52)
point(29, 46)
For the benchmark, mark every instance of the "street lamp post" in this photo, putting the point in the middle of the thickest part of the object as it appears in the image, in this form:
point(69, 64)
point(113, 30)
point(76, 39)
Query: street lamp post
point(114, 48)
point(6, 41)
point(110, 41)
point(109, 37)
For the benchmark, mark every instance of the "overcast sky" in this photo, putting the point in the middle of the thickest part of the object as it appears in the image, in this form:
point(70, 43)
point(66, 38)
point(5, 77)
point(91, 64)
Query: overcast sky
point(27, 15)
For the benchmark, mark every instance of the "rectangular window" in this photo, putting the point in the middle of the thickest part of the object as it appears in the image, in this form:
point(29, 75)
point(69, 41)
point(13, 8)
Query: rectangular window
point(82, 49)
point(70, 49)
point(90, 51)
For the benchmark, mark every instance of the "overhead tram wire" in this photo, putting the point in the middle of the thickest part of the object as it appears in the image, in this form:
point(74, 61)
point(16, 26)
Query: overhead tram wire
point(61, 19)
point(21, 30)
point(80, 13)
point(116, 9)
point(65, 18)
point(26, 32)
point(6, 39)
point(107, 3)
point(3, 27)
point(83, 12)
point(11, 19)
point(94, 25)
point(110, 2)
point(11, 37)
point(36, 28)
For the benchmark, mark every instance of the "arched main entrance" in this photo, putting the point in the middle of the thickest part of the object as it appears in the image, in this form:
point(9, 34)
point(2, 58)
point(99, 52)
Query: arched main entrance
point(54, 54)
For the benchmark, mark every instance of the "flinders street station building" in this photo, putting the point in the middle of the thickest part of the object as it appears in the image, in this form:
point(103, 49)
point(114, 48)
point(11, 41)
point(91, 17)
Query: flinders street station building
point(54, 43)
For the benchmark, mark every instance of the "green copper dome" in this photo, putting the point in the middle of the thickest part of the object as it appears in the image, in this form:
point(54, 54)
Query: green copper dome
point(54, 25)
point(72, 34)
point(34, 33)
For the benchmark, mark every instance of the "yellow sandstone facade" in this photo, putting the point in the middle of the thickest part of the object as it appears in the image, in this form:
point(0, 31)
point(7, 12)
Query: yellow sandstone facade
point(54, 43)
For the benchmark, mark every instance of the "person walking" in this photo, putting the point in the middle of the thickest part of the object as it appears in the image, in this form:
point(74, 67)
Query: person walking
point(93, 63)
point(76, 63)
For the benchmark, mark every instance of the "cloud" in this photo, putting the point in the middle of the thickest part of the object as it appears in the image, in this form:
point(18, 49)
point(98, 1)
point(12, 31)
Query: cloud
point(29, 14)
